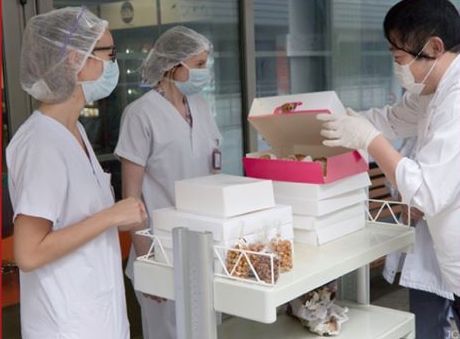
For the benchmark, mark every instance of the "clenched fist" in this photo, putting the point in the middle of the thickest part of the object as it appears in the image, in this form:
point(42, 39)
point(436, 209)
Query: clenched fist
point(128, 213)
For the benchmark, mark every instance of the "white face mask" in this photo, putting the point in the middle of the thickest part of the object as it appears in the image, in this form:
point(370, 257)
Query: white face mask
point(407, 79)
point(104, 85)
point(198, 78)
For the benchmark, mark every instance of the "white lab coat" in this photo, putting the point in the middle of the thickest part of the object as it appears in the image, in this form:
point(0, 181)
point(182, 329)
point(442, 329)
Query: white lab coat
point(80, 295)
point(431, 181)
point(419, 268)
point(154, 135)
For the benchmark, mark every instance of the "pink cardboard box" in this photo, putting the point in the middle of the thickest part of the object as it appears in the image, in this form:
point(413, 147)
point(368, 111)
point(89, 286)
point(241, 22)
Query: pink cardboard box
point(298, 131)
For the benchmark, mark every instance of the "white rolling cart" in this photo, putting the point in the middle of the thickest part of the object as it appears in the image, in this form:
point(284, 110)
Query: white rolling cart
point(200, 293)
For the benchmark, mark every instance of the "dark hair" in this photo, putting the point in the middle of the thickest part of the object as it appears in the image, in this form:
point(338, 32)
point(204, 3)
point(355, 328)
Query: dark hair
point(410, 23)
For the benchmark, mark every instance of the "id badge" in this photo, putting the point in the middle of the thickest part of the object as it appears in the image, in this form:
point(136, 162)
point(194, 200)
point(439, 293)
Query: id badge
point(216, 159)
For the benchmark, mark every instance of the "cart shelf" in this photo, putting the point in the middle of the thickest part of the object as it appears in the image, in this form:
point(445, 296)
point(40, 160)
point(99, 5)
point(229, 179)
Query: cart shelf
point(366, 322)
point(313, 267)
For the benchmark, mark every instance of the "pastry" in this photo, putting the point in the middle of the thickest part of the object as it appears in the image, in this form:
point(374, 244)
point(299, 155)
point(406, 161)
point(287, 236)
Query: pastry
point(323, 162)
point(267, 156)
point(263, 264)
point(283, 248)
point(288, 107)
point(236, 263)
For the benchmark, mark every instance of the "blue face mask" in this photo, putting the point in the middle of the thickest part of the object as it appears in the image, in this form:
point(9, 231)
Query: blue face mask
point(198, 78)
point(102, 87)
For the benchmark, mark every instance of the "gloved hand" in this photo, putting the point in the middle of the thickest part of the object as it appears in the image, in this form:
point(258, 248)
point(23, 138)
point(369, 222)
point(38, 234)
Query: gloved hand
point(350, 131)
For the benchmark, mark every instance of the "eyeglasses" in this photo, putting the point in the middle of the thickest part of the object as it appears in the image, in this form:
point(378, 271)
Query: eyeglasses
point(112, 49)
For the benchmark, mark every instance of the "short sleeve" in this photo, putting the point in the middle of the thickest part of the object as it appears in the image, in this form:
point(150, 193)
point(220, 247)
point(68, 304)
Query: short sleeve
point(38, 180)
point(135, 139)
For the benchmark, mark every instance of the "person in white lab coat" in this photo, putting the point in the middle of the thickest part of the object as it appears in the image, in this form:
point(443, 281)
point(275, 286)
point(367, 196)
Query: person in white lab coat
point(166, 135)
point(429, 297)
point(424, 37)
point(65, 220)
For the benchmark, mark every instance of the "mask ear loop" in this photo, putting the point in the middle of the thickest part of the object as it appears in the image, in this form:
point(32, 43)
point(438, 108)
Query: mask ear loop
point(418, 54)
point(185, 65)
point(432, 67)
point(429, 72)
point(103, 69)
point(96, 57)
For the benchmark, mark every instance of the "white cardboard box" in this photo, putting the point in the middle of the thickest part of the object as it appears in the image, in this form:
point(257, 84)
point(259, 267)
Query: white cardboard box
point(321, 191)
point(223, 229)
point(298, 132)
point(325, 206)
point(332, 232)
point(311, 223)
point(223, 195)
point(286, 232)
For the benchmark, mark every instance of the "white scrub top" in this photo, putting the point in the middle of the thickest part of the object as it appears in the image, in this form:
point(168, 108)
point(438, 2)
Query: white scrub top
point(154, 135)
point(420, 269)
point(431, 181)
point(80, 295)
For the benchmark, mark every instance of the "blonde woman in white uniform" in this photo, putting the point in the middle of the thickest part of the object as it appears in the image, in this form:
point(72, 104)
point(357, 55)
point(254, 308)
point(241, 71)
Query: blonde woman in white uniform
point(166, 135)
point(427, 62)
point(65, 220)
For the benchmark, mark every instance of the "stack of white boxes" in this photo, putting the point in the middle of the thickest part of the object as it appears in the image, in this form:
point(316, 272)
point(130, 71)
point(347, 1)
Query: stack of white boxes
point(325, 212)
point(230, 207)
point(327, 193)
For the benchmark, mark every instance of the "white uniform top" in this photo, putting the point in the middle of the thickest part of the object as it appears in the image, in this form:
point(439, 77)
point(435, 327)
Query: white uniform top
point(431, 181)
point(154, 135)
point(80, 295)
point(420, 269)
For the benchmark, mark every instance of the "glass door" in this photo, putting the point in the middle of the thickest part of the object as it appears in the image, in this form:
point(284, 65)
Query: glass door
point(304, 46)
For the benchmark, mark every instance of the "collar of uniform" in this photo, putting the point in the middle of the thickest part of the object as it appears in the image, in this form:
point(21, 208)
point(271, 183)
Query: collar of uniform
point(451, 75)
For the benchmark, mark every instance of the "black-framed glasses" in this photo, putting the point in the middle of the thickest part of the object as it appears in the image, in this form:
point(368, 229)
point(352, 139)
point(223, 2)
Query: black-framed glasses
point(112, 49)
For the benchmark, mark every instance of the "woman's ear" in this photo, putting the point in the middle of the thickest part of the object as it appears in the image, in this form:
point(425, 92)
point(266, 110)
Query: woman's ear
point(436, 47)
point(75, 60)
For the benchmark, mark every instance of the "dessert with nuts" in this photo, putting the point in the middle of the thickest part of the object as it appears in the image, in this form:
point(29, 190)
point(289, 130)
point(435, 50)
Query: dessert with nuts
point(236, 263)
point(283, 249)
point(263, 263)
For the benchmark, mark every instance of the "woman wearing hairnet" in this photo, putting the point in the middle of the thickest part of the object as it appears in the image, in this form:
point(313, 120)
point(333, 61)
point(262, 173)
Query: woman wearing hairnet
point(424, 39)
point(166, 135)
point(65, 220)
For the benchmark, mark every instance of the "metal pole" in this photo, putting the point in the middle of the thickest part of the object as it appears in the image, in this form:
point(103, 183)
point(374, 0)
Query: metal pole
point(248, 84)
point(193, 283)
point(363, 285)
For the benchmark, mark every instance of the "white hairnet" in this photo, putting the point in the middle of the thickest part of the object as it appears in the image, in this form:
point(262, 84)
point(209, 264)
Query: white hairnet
point(55, 47)
point(172, 47)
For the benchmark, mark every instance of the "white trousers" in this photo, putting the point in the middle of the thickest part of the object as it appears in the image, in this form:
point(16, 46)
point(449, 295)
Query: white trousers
point(158, 319)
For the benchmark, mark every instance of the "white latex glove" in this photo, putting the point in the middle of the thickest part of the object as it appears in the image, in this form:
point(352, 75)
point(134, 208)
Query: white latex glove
point(350, 131)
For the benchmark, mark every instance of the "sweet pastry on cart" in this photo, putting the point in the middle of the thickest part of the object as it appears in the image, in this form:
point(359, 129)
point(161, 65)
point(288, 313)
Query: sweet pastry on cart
point(287, 107)
point(263, 264)
point(323, 162)
point(283, 248)
point(318, 312)
point(237, 263)
point(270, 156)
point(303, 157)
